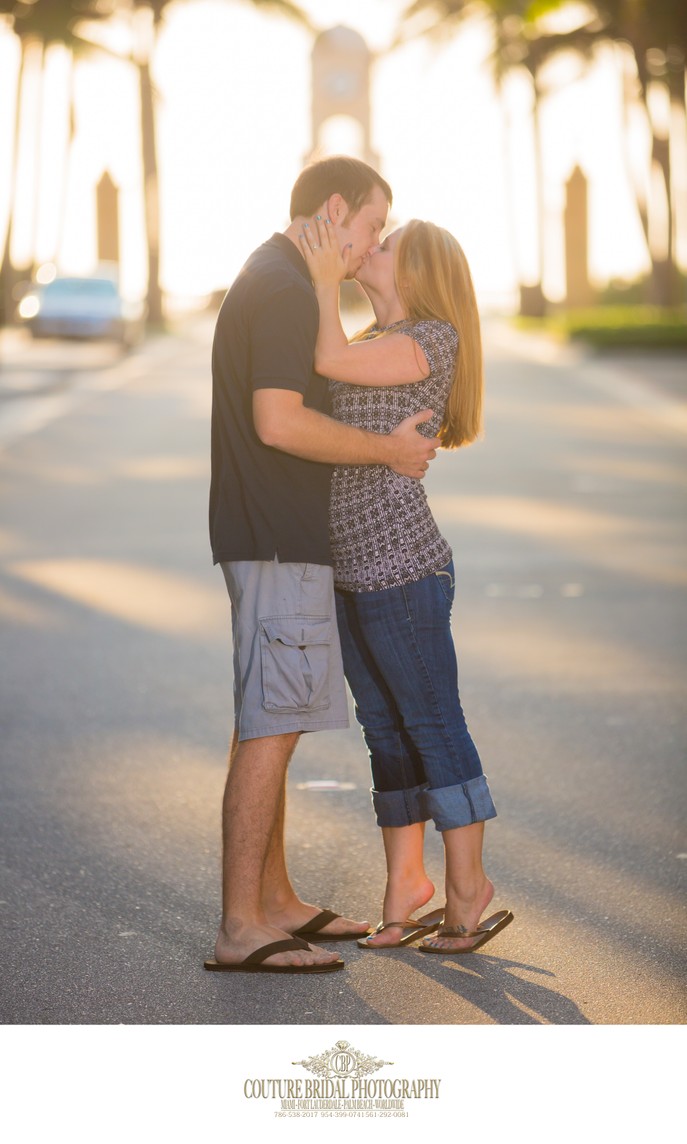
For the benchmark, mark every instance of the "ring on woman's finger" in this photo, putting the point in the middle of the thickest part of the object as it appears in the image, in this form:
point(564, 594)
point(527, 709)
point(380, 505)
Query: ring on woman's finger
point(315, 246)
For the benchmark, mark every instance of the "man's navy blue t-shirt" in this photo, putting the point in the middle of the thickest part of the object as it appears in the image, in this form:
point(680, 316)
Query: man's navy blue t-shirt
point(264, 502)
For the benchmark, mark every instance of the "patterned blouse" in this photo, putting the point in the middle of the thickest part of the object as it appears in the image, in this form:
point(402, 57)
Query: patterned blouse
point(382, 531)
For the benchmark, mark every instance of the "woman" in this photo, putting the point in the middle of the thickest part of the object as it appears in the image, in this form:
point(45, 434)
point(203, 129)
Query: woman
point(394, 574)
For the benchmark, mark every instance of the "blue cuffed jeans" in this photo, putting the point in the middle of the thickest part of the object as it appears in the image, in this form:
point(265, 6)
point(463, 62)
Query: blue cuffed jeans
point(400, 664)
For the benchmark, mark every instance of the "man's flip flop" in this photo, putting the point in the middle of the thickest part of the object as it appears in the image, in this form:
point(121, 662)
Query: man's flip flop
point(311, 930)
point(253, 963)
point(485, 932)
point(416, 927)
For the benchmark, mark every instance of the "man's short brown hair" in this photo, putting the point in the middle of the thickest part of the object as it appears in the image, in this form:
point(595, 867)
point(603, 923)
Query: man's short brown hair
point(350, 178)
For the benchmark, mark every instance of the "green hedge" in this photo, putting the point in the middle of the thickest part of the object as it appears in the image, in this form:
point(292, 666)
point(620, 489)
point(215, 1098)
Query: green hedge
point(615, 326)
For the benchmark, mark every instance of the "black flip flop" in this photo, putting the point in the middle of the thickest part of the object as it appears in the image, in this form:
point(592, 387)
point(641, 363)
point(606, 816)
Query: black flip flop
point(311, 930)
point(485, 932)
point(417, 927)
point(253, 963)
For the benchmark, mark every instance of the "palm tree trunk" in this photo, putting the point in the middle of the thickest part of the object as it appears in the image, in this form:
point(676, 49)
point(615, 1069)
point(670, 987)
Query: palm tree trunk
point(38, 181)
point(677, 81)
point(151, 193)
point(664, 273)
point(663, 269)
point(532, 299)
point(509, 179)
point(66, 171)
point(8, 278)
point(636, 185)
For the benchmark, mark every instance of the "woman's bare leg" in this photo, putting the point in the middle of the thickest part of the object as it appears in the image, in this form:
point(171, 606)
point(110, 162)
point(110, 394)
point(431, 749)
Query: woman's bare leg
point(408, 887)
point(468, 890)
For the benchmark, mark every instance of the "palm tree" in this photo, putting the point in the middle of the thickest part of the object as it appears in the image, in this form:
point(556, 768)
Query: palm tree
point(63, 21)
point(655, 34)
point(655, 31)
point(515, 48)
point(39, 24)
point(142, 56)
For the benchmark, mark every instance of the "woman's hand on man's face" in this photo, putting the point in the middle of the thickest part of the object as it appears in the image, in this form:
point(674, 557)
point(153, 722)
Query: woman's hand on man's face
point(328, 265)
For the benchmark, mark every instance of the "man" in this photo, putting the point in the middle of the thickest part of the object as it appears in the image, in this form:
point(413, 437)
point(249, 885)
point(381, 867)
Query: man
point(272, 450)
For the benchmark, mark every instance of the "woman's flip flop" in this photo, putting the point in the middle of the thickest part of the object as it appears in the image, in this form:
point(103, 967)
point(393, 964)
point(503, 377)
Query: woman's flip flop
point(416, 927)
point(485, 932)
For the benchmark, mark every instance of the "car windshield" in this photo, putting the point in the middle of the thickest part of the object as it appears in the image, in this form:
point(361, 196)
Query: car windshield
point(102, 287)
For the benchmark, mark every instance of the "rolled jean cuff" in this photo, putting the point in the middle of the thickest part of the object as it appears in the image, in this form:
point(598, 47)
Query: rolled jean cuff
point(459, 805)
point(399, 807)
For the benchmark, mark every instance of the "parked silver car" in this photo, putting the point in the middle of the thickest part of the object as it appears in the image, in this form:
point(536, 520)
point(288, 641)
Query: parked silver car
point(82, 308)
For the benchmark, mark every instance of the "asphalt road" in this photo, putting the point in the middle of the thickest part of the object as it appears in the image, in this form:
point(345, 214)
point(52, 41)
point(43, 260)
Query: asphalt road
point(568, 531)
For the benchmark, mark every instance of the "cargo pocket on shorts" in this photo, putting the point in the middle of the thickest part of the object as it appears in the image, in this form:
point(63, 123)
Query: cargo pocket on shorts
point(294, 653)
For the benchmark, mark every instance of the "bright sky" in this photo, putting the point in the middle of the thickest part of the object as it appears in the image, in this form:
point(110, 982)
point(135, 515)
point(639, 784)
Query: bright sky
point(234, 131)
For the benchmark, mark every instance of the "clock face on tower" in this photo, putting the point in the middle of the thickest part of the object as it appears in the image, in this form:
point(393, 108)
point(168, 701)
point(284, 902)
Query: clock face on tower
point(342, 84)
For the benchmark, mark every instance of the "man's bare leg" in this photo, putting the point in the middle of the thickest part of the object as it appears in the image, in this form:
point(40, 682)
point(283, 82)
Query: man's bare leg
point(281, 903)
point(255, 786)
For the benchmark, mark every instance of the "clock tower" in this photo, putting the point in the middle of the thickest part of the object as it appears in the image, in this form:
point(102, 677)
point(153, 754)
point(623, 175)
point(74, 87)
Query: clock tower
point(341, 89)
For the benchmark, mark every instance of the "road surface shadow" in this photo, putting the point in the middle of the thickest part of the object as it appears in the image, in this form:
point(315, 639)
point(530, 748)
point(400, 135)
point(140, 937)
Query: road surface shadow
point(490, 984)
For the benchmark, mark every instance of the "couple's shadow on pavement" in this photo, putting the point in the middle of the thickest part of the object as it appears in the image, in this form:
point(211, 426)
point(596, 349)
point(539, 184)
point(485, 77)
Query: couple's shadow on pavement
point(490, 984)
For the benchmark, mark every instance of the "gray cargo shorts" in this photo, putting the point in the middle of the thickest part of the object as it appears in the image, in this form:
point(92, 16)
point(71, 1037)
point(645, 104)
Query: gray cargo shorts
point(288, 674)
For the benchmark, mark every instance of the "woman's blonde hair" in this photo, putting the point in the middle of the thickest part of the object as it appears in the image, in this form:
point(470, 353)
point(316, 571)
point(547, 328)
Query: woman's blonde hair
point(433, 281)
